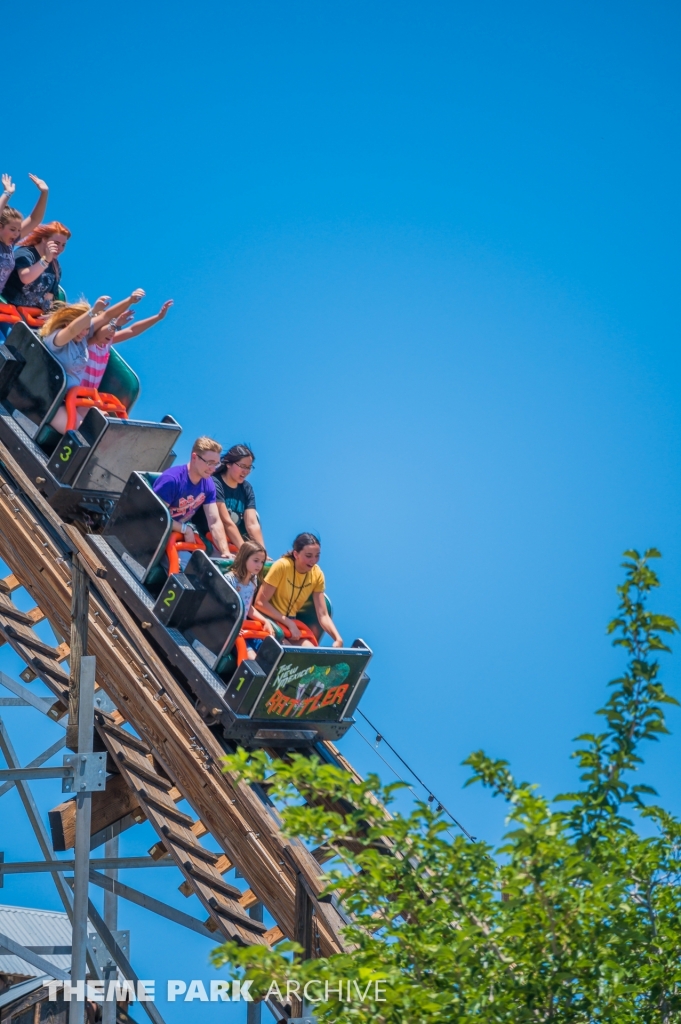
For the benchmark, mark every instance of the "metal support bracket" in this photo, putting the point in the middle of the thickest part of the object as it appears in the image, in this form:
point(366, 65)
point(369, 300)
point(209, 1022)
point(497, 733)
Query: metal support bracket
point(88, 773)
point(104, 703)
point(106, 962)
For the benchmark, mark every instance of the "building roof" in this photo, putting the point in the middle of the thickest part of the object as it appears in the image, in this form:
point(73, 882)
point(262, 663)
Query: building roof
point(33, 927)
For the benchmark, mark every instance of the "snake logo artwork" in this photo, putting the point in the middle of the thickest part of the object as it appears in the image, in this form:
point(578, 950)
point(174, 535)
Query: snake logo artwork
point(308, 688)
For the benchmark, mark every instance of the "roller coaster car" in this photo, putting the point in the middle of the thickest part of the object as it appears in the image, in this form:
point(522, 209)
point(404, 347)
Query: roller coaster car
point(287, 696)
point(101, 475)
point(82, 472)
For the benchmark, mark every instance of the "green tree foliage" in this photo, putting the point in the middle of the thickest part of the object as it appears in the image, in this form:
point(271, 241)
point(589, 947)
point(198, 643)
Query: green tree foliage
point(576, 917)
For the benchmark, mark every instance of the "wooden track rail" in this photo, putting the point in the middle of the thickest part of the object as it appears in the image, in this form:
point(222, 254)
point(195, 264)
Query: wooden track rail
point(174, 754)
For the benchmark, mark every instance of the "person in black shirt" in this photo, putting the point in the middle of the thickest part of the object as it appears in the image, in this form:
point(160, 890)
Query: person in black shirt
point(35, 279)
point(235, 498)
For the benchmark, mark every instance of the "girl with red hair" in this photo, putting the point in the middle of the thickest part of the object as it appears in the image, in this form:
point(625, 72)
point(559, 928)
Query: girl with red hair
point(35, 279)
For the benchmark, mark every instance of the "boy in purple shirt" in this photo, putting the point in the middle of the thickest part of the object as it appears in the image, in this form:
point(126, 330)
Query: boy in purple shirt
point(187, 488)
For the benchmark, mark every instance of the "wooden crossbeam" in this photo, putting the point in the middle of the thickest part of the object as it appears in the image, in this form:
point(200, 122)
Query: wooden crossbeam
point(117, 801)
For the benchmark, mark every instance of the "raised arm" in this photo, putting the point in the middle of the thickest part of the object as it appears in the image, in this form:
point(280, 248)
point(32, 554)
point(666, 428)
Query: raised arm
point(119, 307)
point(38, 213)
point(81, 323)
point(9, 187)
point(141, 325)
point(32, 273)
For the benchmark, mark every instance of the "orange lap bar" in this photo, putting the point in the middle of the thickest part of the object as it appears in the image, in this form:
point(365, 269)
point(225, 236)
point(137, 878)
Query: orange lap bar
point(80, 397)
point(177, 543)
point(9, 314)
point(252, 629)
point(305, 632)
point(34, 317)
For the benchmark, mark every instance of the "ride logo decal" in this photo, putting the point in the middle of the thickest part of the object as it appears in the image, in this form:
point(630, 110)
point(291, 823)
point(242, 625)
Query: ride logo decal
point(306, 688)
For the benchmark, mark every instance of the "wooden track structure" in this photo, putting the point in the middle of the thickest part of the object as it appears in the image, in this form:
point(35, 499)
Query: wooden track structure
point(173, 754)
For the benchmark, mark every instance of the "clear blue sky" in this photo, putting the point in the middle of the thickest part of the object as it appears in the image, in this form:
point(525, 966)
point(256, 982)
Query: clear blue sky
point(425, 259)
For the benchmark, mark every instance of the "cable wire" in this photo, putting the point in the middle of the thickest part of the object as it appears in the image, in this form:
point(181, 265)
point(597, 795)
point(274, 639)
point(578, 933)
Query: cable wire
point(431, 796)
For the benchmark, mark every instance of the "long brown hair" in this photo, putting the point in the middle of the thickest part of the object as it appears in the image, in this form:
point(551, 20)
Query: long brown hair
point(302, 541)
point(248, 548)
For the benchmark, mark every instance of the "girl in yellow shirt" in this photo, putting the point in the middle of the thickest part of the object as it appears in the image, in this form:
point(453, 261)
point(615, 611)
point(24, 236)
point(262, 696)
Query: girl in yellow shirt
point(288, 585)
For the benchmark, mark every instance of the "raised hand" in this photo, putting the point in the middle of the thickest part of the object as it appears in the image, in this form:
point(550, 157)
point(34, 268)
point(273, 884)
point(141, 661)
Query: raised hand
point(39, 183)
point(51, 250)
point(125, 317)
point(137, 295)
point(101, 304)
point(8, 184)
point(164, 309)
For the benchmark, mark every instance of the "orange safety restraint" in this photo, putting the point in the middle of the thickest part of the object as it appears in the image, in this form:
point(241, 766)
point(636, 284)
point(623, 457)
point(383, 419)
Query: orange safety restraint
point(177, 543)
point(80, 397)
point(33, 316)
point(9, 314)
point(252, 629)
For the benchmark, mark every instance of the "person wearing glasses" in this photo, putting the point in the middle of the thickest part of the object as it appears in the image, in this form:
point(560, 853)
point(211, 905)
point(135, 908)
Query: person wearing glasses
point(185, 489)
point(235, 498)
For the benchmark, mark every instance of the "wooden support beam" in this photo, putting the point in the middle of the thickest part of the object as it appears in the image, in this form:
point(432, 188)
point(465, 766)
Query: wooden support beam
point(61, 653)
point(107, 807)
point(303, 934)
point(9, 584)
point(80, 594)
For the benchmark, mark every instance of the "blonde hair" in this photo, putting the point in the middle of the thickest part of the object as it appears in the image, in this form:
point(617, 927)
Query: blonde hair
point(8, 214)
point(62, 314)
point(206, 444)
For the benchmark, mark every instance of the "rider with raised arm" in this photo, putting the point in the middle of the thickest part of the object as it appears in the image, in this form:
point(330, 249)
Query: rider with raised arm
point(13, 225)
point(114, 331)
point(34, 282)
point(187, 488)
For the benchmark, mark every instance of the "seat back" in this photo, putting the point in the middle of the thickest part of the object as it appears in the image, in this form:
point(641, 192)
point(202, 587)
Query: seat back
point(39, 389)
point(123, 447)
point(203, 606)
point(120, 380)
point(139, 526)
